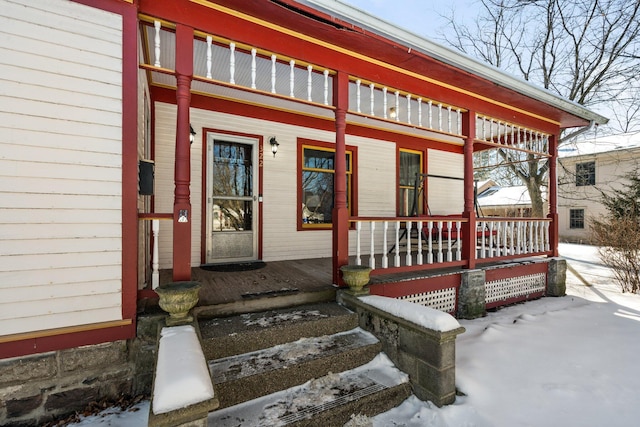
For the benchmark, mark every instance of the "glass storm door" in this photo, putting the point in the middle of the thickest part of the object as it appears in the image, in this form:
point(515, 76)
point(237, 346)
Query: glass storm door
point(231, 203)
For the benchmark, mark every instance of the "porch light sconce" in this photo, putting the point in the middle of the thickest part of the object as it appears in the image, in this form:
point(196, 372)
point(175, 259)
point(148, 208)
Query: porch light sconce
point(192, 134)
point(274, 145)
point(393, 113)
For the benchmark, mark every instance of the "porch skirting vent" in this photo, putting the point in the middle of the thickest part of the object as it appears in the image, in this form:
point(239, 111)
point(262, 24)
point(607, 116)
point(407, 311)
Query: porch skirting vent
point(503, 289)
point(443, 299)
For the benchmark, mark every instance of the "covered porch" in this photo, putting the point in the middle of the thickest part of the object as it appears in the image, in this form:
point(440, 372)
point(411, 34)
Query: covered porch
point(375, 161)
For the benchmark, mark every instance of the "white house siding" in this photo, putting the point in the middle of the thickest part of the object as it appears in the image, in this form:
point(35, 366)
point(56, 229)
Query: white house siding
point(446, 196)
point(60, 165)
point(281, 239)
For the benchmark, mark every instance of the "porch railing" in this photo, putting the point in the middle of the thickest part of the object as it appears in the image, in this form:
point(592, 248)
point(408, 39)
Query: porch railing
point(512, 237)
point(155, 235)
point(405, 242)
point(384, 243)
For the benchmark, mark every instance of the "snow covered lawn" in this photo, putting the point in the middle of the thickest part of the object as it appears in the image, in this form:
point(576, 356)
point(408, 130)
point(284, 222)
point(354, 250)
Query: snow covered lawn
point(569, 361)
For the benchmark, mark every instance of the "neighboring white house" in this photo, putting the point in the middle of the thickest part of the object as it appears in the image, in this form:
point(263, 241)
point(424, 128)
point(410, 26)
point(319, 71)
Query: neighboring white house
point(586, 169)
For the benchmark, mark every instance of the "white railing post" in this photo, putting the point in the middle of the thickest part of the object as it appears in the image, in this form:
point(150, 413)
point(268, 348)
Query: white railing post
point(419, 256)
point(358, 83)
point(449, 253)
point(546, 232)
point(430, 242)
point(530, 236)
point(273, 74)
point(440, 258)
point(309, 82)
point(156, 41)
point(292, 78)
point(155, 257)
point(420, 112)
point(253, 68)
point(491, 225)
point(372, 88)
point(385, 249)
point(384, 102)
point(372, 249)
point(408, 226)
point(396, 259)
point(326, 87)
point(459, 234)
point(505, 232)
point(358, 231)
point(209, 41)
point(232, 63)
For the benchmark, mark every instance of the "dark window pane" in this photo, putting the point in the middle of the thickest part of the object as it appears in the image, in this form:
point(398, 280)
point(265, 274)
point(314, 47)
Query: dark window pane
point(585, 174)
point(410, 165)
point(232, 169)
point(317, 188)
point(576, 218)
point(319, 159)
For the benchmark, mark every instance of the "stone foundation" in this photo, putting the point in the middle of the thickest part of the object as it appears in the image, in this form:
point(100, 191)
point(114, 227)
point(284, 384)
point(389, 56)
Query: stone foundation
point(428, 356)
point(38, 388)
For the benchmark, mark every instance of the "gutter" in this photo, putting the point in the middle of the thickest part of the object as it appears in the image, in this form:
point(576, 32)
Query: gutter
point(577, 133)
point(448, 56)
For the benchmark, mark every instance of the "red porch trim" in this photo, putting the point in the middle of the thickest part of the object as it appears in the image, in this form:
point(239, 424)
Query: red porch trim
point(554, 238)
point(182, 214)
point(340, 240)
point(62, 339)
point(469, 236)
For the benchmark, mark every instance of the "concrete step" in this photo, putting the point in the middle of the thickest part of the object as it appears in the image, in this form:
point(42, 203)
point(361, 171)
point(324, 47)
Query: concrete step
point(228, 336)
point(248, 376)
point(326, 401)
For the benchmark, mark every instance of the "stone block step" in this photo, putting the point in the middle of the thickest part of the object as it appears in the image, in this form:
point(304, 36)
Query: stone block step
point(247, 376)
point(370, 389)
point(227, 336)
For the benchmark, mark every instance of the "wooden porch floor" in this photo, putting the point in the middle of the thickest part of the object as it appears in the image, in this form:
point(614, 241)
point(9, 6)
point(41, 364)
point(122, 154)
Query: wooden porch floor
point(276, 278)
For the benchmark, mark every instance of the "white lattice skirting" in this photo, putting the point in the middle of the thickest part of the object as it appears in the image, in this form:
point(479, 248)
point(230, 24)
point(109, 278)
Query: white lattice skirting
point(500, 290)
point(443, 299)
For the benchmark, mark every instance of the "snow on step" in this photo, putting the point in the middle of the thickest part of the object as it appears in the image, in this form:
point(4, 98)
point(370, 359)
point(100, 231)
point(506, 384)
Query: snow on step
point(285, 355)
point(181, 371)
point(313, 397)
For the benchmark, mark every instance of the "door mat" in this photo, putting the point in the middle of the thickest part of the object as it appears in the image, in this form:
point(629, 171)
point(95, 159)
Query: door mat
point(235, 266)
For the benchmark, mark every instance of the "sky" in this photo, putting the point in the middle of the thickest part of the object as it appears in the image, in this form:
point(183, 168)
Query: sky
point(423, 17)
point(569, 361)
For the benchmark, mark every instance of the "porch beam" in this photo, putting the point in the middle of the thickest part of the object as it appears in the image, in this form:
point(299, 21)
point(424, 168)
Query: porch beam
point(469, 227)
point(182, 214)
point(553, 195)
point(340, 238)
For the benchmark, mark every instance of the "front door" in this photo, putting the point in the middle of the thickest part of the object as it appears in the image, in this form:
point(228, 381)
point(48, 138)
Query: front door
point(231, 201)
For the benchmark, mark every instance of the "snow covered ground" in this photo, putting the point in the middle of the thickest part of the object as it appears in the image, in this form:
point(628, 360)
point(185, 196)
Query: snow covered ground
point(568, 361)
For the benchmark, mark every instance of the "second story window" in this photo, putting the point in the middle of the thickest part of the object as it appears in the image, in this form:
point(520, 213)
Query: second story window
point(585, 174)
